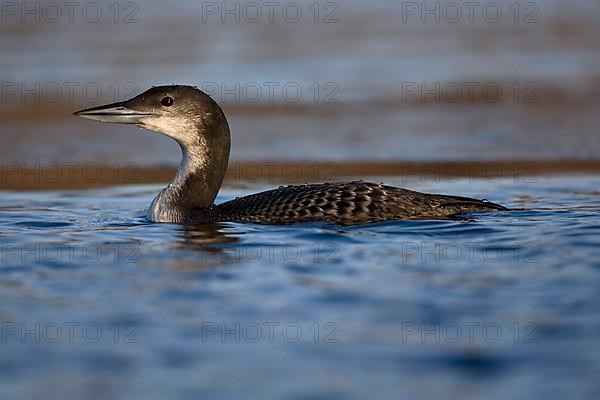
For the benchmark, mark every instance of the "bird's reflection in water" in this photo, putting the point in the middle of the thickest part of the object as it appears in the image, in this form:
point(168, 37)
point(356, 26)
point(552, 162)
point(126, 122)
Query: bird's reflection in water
point(211, 244)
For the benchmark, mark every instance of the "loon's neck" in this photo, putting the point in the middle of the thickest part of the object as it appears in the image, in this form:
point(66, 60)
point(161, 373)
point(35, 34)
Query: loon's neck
point(197, 181)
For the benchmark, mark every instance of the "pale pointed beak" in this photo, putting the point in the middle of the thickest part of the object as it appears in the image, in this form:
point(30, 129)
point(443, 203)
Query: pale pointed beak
point(115, 112)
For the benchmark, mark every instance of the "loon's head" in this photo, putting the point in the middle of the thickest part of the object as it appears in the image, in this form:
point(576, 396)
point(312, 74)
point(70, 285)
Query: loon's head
point(183, 113)
point(197, 123)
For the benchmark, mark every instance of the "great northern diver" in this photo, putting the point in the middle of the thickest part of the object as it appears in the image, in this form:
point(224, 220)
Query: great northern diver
point(198, 124)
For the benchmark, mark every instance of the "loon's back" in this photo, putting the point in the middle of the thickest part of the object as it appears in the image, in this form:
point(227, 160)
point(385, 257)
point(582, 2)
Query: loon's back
point(342, 203)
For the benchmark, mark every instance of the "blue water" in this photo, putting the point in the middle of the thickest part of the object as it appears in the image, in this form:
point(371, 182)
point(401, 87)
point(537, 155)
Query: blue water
point(97, 303)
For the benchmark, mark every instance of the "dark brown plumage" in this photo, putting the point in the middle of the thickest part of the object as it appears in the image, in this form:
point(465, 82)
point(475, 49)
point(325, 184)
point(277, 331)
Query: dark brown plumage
point(342, 203)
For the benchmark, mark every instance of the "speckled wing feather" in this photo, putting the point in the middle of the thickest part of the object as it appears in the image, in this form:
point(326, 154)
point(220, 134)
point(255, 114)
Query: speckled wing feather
point(345, 204)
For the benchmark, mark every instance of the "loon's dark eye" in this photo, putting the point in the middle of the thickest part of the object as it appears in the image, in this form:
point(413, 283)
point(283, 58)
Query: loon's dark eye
point(167, 101)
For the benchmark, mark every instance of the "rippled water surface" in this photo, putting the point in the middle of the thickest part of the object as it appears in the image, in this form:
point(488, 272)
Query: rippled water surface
point(97, 302)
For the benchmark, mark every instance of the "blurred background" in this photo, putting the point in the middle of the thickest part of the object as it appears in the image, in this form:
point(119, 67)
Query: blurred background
point(381, 81)
point(501, 97)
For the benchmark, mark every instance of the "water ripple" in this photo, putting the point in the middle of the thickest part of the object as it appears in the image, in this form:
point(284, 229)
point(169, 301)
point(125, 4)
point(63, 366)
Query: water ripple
point(458, 301)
